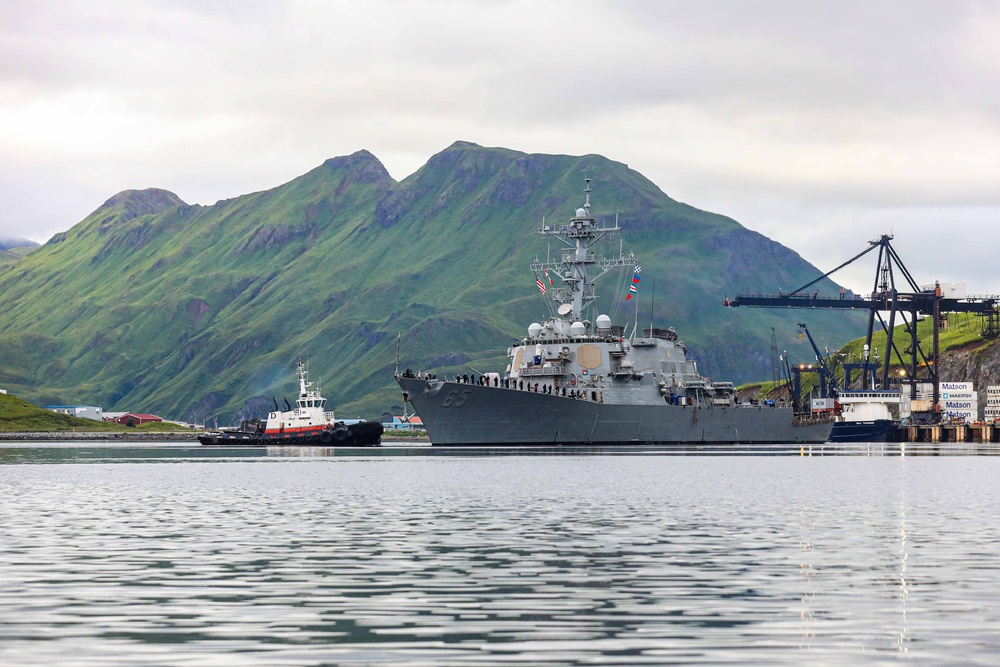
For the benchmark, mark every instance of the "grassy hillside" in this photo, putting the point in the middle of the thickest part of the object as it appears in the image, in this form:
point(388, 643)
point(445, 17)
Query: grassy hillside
point(960, 331)
point(17, 415)
point(198, 312)
point(10, 255)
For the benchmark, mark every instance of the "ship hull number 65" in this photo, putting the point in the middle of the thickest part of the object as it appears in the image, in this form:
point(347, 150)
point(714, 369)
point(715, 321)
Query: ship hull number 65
point(456, 399)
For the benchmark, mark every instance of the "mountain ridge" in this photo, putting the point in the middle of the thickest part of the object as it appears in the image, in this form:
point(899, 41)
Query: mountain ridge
point(199, 311)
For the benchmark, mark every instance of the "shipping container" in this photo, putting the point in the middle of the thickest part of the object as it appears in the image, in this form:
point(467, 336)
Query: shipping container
point(960, 395)
point(822, 404)
point(963, 415)
point(948, 290)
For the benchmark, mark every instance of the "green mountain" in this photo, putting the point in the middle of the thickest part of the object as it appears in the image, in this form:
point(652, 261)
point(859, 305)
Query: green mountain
point(19, 245)
point(13, 249)
point(199, 312)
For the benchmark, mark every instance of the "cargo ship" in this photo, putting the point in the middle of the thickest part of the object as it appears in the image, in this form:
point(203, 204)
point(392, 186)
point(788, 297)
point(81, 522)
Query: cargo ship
point(865, 415)
point(574, 382)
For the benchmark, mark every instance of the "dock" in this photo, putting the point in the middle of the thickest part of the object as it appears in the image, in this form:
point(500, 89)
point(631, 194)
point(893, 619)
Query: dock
point(947, 433)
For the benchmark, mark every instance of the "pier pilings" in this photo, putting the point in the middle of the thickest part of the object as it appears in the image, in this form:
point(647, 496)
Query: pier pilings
point(948, 433)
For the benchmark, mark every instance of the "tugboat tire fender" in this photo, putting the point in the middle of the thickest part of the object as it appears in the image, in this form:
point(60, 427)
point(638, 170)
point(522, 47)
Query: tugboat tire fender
point(340, 434)
point(325, 437)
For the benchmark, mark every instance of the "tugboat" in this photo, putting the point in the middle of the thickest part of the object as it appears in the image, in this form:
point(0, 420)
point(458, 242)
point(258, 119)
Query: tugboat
point(308, 425)
point(576, 383)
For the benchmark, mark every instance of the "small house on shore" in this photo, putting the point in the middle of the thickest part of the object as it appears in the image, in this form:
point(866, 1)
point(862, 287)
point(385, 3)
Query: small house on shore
point(137, 419)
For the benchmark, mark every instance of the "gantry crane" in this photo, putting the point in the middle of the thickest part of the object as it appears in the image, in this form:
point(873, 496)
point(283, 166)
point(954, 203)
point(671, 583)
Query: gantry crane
point(884, 297)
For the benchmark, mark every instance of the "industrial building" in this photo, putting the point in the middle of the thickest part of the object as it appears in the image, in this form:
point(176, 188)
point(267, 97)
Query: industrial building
point(84, 411)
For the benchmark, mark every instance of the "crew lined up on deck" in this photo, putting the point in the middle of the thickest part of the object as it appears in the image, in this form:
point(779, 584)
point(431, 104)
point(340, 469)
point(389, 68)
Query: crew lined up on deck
point(520, 385)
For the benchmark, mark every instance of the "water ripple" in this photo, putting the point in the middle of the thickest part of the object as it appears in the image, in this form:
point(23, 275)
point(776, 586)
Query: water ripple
point(505, 559)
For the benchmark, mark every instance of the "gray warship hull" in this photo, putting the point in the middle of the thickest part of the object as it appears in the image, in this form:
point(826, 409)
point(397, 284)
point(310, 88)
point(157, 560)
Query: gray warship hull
point(456, 413)
point(574, 382)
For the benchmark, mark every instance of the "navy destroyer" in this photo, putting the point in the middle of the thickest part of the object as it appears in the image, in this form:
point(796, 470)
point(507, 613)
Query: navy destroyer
point(576, 383)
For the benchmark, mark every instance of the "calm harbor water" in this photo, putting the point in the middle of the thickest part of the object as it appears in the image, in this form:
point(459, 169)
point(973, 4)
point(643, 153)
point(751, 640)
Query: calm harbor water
point(176, 554)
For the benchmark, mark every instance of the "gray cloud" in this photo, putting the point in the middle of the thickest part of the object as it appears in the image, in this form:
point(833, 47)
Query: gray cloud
point(819, 124)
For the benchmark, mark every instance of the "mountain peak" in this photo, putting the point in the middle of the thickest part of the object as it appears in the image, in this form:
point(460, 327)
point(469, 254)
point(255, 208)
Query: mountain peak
point(8, 242)
point(462, 145)
point(134, 203)
point(364, 166)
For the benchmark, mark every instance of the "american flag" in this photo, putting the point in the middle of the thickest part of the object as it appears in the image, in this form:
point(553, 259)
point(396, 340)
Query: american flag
point(541, 285)
point(635, 283)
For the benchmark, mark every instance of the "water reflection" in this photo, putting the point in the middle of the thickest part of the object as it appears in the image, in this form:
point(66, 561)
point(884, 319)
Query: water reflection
point(111, 452)
point(174, 555)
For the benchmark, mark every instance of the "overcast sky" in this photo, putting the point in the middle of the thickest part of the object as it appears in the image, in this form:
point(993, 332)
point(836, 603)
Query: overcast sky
point(819, 124)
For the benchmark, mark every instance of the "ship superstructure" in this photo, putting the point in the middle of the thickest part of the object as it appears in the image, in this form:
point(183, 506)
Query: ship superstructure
point(571, 381)
point(309, 414)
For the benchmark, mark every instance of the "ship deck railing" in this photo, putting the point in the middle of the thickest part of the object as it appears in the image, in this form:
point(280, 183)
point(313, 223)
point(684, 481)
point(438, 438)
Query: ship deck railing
point(584, 393)
point(549, 368)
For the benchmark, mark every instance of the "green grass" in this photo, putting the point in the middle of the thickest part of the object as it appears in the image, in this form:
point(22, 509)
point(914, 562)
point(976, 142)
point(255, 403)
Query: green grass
point(19, 416)
point(962, 329)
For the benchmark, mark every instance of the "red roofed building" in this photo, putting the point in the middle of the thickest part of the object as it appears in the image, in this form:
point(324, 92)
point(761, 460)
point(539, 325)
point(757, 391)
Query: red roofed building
point(137, 419)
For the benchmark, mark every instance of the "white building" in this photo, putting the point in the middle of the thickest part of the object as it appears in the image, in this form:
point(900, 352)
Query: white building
point(84, 411)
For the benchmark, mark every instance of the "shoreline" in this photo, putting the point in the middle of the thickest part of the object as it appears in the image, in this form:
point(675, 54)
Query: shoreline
point(43, 436)
point(156, 436)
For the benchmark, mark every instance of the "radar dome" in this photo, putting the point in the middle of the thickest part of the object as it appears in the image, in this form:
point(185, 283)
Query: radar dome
point(534, 329)
point(603, 322)
point(581, 213)
point(577, 329)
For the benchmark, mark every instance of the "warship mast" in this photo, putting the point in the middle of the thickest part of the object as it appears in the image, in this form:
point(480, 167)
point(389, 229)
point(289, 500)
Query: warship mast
point(579, 267)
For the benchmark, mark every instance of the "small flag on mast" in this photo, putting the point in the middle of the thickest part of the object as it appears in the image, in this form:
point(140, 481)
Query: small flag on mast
point(541, 285)
point(547, 276)
point(635, 283)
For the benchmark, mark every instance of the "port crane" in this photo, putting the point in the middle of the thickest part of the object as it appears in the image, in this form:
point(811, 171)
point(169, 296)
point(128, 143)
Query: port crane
point(885, 297)
point(827, 379)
